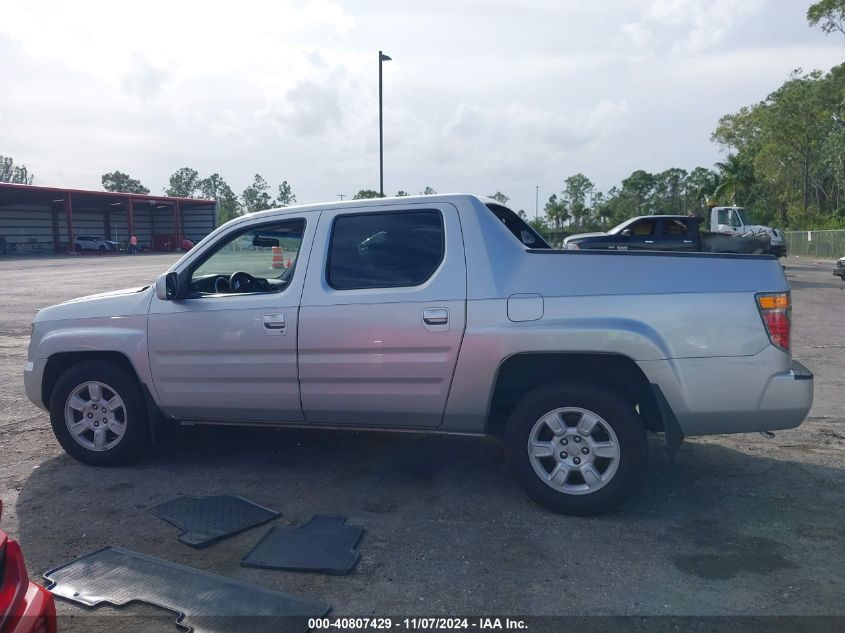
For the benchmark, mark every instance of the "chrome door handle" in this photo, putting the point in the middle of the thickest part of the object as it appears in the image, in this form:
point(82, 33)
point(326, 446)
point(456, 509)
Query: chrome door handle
point(275, 321)
point(435, 316)
point(649, 241)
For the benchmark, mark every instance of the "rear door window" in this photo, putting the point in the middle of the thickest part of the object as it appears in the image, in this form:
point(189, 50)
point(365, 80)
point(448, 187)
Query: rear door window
point(675, 228)
point(385, 250)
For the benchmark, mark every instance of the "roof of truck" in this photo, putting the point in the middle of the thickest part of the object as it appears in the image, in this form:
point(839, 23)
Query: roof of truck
point(370, 202)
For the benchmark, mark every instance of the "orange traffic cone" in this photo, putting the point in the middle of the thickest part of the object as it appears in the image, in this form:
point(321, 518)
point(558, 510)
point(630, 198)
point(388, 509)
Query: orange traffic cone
point(278, 262)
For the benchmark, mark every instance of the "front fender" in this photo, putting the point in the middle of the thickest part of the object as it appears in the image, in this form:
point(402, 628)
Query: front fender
point(126, 335)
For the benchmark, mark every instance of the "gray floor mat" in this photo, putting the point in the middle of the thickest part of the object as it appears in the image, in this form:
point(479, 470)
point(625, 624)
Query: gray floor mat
point(205, 602)
point(206, 520)
point(324, 544)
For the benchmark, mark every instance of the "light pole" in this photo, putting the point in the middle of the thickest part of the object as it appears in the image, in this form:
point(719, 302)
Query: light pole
point(537, 202)
point(381, 58)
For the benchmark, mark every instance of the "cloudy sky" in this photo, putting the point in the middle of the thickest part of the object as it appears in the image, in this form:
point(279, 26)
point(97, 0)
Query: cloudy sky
point(481, 95)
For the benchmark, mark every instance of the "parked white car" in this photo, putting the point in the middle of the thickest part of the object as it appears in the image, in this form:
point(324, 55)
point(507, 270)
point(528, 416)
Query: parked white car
point(94, 243)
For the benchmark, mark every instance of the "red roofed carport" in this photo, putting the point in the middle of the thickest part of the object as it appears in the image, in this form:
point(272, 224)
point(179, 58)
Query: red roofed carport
point(44, 219)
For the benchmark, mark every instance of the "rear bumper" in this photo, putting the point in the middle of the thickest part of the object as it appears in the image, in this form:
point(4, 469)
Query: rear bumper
point(778, 250)
point(734, 395)
point(787, 399)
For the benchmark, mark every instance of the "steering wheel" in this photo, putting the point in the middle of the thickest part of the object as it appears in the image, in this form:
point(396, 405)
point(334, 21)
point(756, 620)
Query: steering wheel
point(242, 282)
point(221, 285)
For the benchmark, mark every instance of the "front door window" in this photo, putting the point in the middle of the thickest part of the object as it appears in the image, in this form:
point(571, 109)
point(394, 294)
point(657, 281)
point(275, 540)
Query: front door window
point(258, 259)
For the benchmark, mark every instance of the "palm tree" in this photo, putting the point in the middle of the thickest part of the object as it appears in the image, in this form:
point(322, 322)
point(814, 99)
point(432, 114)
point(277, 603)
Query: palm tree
point(735, 173)
point(556, 211)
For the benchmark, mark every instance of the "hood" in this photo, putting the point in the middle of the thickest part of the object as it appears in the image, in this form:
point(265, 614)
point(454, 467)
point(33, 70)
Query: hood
point(105, 295)
point(126, 302)
point(580, 236)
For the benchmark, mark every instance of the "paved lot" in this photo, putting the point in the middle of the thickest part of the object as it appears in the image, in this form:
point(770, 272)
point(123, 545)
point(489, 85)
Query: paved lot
point(741, 525)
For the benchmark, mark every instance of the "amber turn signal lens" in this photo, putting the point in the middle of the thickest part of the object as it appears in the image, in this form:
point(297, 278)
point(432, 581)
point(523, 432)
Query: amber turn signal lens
point(772, 302)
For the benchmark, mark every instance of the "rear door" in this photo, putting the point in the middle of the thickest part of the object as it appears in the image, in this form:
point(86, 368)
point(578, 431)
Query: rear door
point(676, 235)
point(382, 316)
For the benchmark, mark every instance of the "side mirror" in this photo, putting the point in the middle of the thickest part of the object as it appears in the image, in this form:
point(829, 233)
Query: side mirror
point(167, 287)
point(626, 233)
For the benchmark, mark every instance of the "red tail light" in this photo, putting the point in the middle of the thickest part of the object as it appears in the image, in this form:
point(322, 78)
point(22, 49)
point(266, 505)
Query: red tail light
point(13, 580)
point(776, 310)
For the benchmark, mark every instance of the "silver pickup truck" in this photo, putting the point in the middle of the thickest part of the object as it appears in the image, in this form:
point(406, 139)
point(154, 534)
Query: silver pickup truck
point(444, 314)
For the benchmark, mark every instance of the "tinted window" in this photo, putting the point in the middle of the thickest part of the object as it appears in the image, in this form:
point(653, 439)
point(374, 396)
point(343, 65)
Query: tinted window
point(518, 227)
point(643, 228)
point(383, 250)
point(675, 227)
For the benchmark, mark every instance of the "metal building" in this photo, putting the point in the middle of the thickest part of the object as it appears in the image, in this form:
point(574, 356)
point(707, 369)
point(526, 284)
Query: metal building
point(48, 219)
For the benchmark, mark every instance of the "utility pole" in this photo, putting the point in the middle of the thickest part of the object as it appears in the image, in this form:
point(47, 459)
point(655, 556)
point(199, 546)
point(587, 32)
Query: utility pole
point(381, 58)
point(341, 196)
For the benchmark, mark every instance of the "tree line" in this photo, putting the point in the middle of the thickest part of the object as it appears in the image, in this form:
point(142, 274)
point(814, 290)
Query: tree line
point(15, 174)
point(785, 161)
point(187, 183)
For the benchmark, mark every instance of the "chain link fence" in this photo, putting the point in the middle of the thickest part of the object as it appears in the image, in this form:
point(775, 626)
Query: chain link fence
point(828, 244)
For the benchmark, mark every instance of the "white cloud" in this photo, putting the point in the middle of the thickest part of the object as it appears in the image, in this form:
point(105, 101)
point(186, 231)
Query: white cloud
point(639, 37)
point(105, 38)
point(144, 79)
point(478, 98)
point(704, 22)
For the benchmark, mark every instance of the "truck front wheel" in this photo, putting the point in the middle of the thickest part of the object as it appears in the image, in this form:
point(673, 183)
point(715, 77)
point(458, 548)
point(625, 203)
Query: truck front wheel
point(575, 448)
point(98, 414)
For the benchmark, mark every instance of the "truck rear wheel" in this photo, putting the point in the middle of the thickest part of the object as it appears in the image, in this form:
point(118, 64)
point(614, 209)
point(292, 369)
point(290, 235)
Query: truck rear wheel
point(575, 448)
point(98, 414)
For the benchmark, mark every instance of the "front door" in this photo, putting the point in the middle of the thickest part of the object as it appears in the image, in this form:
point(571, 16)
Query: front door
point(382, 316)
point(227, 352)
point(641, 236)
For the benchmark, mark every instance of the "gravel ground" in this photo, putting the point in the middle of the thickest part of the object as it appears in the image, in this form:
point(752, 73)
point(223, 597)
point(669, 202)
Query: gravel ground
point(741, 525)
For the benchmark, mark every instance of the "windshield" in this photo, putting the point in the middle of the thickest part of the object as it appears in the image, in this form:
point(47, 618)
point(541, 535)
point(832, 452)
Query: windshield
point(621, 227)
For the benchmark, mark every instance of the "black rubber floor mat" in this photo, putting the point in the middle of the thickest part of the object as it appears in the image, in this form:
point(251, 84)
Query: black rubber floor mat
point(206, 603)
point(206, 520)
point(324, 544)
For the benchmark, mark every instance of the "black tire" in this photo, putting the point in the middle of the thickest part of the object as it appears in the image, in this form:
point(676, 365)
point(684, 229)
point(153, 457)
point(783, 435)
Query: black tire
point(102, 248)
point(78, 248)
point(136, 438)
point(615, 412)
